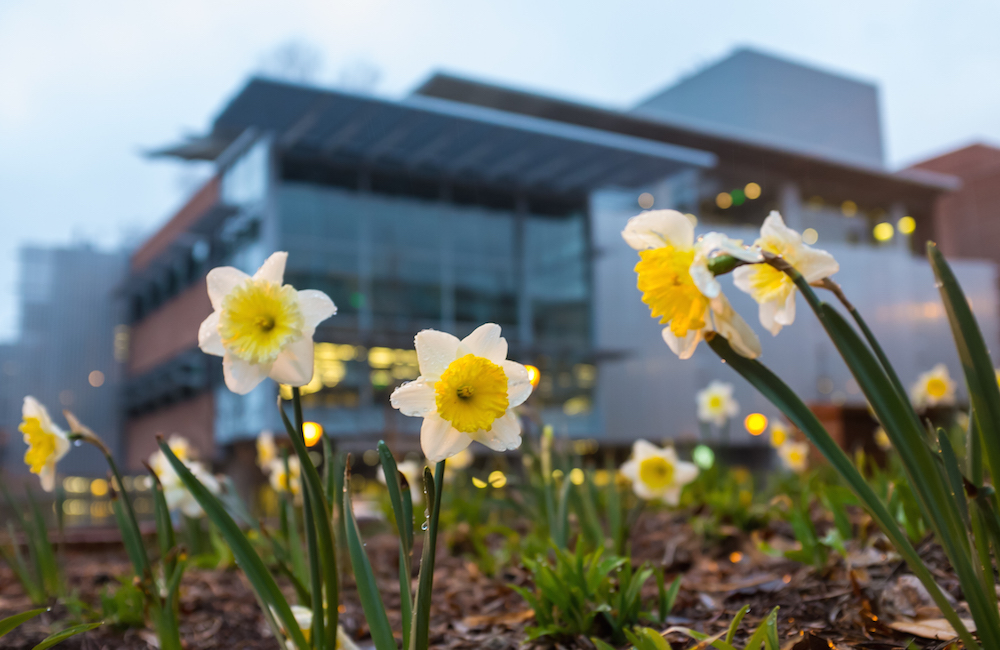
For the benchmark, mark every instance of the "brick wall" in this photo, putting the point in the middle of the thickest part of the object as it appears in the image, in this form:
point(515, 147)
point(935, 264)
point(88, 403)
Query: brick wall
point(192, 418)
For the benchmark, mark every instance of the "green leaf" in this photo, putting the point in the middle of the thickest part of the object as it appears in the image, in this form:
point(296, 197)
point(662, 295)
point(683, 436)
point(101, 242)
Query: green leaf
point(256, 572)
point(734, 626)
point(9, 623)
point(601, 645)
point(420, 626)
point(783, 397)
point(371, 599)
point(59, 637)
point(164, 526)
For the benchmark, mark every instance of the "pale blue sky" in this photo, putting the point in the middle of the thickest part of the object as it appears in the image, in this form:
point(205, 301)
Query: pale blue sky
point(85, 86)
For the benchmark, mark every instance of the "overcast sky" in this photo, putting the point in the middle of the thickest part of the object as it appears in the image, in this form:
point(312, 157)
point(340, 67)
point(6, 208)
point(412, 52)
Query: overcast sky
point(86, 86)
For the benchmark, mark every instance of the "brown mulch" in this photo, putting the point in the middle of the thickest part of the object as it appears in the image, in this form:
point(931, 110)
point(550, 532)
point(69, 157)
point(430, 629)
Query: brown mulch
point(836, 608)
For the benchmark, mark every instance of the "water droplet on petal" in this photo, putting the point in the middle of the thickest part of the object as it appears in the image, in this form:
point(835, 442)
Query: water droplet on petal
point(424, 526)
point(77, 443)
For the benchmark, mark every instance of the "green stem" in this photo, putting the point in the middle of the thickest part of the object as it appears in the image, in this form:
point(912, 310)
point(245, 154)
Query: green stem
point(420, 636)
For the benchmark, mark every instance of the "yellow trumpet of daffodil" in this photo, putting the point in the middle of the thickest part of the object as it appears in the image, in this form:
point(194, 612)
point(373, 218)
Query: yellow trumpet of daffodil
point(933, 388)
point(679, 288)
point(773, 290)
point(47, 443)
point(261, 327)
point(794, 455)
point(656, 473)
point(467, 390)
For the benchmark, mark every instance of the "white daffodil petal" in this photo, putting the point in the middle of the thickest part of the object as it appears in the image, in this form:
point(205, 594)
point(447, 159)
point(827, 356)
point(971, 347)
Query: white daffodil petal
point(518, 383)
point(731, 325)
point(671, 496)
point(659, 228)
point(703, 278)
point(643, 448)
point(316, 307)
point(47, 477)
point(209, 339)
point(414, 398)
point(768, 317)
point(630, 469)
point(294, 365)
point(242, 376)
point(439, 440)
point(221, 281)
point(775, 230)
point(685, 472)
point(435, 351)
point(504, 435)
point(682, 347)
point(485, 341)
point(273, 268)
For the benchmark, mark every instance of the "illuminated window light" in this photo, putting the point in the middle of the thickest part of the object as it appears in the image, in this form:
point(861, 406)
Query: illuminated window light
point(752, 190)
point(755, 424)
point(96, 378)
point(883, 232)
point(810, 236)
point(906, 225)
point(312, 432)
point(646, 200)
point(534, 375)
point(723, 200)
point(849, 208)
point(99, 487)
point(497, 479)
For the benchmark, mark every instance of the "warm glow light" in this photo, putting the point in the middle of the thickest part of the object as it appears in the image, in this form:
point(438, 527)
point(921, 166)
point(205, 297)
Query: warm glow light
point(646, 200)
point(312, 431)
point(906, 225)
point(576, 476)
point(849, 208)
point(735, 557)
point(723, 200)
point(99, 487)
point(497, 479)
point(810, 236)
point(533, 375)
point(752, 190)
point(96, 377)
point(883, 231)
point(755, 423)
point(478, 482)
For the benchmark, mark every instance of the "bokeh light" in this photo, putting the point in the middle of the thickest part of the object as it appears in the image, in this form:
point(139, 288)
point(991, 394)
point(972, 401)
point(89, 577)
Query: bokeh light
point(752, 191)
point(312, 432)
point(849, 208)
point(723, 200)
point(810, 236)
point(533, 375)
point(739, 198)
point(96, 378)
point(906, 225)
point(755, 424)
point(703, 456)
point(883, 231)
point(646, 200)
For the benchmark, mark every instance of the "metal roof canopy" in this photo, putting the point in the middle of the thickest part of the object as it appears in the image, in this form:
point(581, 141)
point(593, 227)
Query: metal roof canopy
point(434, 137)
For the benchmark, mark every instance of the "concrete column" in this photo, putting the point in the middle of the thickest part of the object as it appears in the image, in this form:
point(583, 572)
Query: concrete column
point(525, 330)
point(900, 241)
point(447, 260)
point(790, 205)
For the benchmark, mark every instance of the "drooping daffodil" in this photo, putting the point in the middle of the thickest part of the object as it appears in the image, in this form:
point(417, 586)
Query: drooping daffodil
point(261, 327)
point(679, 288)
point(267, 451)
point(882, 439)
point(47, 443)
point(414, 473)
point(779, 433)
point(657, 473)
point(774, 290)
point(467, 390)
point(716, 404)
point(304, 619)
point(794, 455)
point(933, 388)
point(175, 492)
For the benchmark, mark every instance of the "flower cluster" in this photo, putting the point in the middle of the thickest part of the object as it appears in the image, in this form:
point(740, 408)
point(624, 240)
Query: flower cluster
point(284, 474)
point(177, 496)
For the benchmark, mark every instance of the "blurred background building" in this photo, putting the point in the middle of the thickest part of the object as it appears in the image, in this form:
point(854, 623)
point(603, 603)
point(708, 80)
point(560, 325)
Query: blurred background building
point(468, 202)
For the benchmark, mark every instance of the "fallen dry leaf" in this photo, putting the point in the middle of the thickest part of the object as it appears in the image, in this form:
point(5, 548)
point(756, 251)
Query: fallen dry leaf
point(938, 629)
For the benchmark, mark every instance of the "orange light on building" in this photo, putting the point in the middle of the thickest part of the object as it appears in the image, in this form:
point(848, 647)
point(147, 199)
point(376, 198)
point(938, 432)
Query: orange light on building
point(533, 375)
point(755, 423)
point(313, 432)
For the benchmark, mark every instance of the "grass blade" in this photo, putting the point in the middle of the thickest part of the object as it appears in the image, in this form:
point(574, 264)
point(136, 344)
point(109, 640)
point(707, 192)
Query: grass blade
point(59, 637)
point(396, 483)
point(9, 623)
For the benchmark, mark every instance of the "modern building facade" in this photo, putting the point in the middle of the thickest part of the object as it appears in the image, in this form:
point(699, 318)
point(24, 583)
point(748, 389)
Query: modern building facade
point(467, 203)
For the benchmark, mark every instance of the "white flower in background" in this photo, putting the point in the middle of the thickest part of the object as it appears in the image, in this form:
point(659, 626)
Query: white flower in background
point(656, 473)
point(457, 463)
point(677, 286)
point(933, 388)
point(773, 290)
point(794, 455)
point(285, 479)
point(882, 439)
point(466, 391)
point(47, 443)
point(414, 473)
point(175, 492)
point(267, 451)
point(260, 327)
point(716, 404)
point(779, 433)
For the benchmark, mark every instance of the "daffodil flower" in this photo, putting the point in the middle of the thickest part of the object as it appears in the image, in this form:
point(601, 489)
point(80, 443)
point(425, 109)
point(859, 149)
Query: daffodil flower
point(261, 327)
point(773, 290)
point(794, 455)
point(47, 443)
point(467, 390)
point(676, 283)
point(175, 492)
point(933, 388)
point(286, 479)
point(304, 619)
point(267, 451)
point(716, 404)
point(779, 434)
point(657, 473)
point(414, 473)
point(882, 439)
